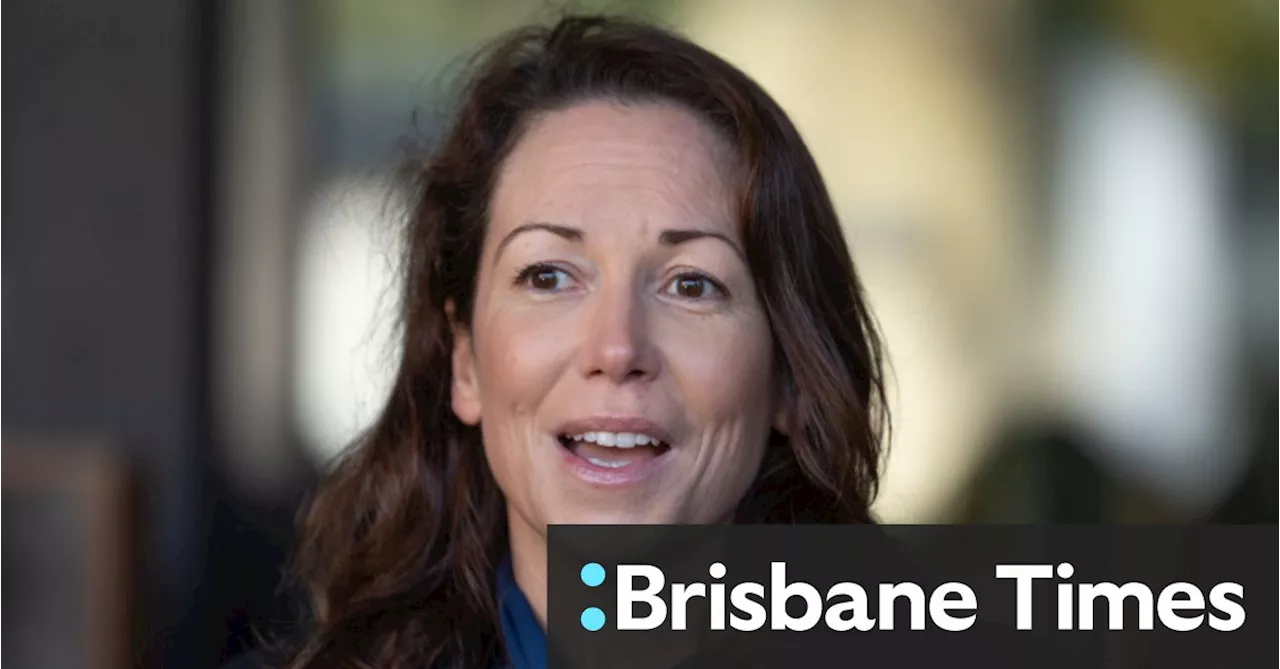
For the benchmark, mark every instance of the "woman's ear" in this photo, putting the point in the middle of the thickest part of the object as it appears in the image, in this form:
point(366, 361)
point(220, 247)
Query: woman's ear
point(465, 392)
point(782, 405)
point(781, 422)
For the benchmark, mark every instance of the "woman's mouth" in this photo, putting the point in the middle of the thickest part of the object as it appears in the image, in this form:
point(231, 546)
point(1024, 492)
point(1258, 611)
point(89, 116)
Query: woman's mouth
point(614, 450)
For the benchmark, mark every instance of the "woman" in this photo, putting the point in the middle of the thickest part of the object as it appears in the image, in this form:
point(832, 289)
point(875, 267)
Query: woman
point(627, 300)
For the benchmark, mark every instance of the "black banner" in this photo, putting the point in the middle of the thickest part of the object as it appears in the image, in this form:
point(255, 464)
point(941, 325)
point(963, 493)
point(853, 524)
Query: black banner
point(912, 596)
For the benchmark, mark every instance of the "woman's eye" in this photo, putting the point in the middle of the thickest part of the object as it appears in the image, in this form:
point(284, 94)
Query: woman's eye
point(545, 278)
point(694, 287)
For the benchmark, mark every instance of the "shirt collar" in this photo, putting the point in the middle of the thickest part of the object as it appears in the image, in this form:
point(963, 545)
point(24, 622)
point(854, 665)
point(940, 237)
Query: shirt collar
point(525, 639)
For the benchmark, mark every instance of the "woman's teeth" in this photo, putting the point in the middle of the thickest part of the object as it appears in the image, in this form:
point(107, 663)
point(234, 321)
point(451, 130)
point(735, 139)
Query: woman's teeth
point(616, 439)
point(614, 450)
point(611, 464)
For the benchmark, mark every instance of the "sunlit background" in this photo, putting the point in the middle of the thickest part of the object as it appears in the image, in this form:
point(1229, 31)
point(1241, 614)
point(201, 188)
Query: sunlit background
point(1065, 215)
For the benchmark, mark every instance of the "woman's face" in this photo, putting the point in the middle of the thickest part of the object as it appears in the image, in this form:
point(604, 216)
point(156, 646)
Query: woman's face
point(615, 309)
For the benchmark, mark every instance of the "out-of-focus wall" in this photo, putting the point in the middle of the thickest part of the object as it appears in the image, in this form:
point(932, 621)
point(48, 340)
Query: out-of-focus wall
point(104, 272)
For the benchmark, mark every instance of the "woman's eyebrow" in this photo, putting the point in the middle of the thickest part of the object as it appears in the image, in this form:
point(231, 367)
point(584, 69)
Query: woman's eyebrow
point(677, 237)
point(673, 237)
point(571, 234)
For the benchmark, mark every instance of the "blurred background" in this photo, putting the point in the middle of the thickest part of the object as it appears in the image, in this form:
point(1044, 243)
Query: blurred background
point(1065, 214)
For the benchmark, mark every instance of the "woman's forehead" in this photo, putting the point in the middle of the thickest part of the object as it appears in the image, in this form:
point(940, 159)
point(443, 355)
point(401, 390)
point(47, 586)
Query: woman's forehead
point(603, 162)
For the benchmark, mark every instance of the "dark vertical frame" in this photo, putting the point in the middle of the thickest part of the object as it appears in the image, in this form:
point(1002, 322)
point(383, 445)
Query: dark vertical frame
point(106, 275)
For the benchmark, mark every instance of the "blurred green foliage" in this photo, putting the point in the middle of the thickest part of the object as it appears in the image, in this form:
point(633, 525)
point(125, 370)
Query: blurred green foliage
point(1226, 47)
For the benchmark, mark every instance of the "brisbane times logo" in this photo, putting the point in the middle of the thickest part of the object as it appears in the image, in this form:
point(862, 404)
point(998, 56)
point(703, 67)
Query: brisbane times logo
point(645, 601)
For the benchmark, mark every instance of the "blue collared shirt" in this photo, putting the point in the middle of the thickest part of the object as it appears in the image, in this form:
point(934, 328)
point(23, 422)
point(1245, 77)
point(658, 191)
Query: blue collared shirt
point(525, 639)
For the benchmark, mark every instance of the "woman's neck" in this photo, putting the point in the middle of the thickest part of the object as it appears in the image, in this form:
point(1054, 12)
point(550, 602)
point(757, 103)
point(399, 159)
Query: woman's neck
point(529, 563)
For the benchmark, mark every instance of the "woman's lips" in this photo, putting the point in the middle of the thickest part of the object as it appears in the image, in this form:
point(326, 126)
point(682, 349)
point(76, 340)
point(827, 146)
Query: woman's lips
point(613, 426)
point(610, 465)
point(614, 457)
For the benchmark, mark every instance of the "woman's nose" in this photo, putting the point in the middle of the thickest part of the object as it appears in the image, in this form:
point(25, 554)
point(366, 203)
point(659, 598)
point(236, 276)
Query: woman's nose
point(617, 342)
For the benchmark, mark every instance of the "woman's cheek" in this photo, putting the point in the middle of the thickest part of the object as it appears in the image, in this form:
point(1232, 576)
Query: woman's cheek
point(730, 354)
point(525, 347)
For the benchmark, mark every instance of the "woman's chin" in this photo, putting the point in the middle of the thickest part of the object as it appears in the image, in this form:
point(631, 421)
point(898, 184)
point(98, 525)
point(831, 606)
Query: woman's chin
point(597, 516)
